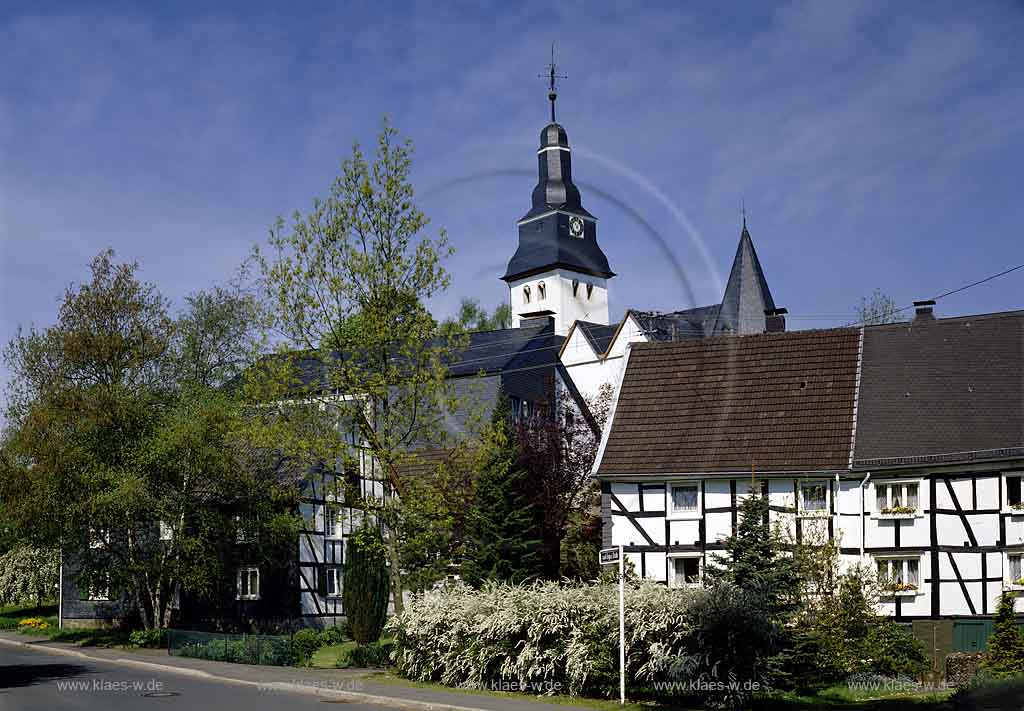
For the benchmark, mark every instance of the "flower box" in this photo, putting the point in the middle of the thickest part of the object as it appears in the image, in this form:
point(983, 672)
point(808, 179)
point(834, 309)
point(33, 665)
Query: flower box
point(898, 512)
point(900, 589)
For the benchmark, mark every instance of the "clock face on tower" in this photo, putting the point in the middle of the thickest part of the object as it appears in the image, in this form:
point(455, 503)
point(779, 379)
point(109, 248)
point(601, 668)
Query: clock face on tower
point(576, 226)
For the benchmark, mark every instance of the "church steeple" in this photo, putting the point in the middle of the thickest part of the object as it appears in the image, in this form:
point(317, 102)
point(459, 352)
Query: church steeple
point(557, 242)
point(747, 296)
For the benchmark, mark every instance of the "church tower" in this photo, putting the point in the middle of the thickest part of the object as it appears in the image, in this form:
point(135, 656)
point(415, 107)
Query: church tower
point(558, 270)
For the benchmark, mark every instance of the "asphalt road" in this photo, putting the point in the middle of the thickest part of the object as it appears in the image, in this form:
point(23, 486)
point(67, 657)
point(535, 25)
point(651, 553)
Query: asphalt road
point(39, 680)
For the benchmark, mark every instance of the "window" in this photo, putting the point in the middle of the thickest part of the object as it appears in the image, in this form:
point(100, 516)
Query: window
point(526, 294)
point(685, 572)
point(1013, 487)
point(683, 500)
point(542, 291)
point(590, 290)
point(814, 497)
point(575, 287)
point(98, 537)
point(99, 589)
point(240, 533)
point(334, 578)
point(899, 575)
point(1015, 569)
point(896, 498)
point(334, 521)
point(166, 531)
point(249, 584)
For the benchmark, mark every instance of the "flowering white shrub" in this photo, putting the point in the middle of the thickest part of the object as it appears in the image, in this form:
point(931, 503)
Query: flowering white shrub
point(554, 637)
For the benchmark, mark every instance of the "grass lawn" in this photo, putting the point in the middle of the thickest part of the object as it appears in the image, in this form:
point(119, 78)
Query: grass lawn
point(330, 657)
point(841, 696)
point(836, 697)
point(11, 615)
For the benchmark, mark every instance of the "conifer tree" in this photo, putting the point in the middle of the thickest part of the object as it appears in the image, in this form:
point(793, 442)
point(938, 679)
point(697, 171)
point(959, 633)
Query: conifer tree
point(1005, 656)
point(365, 593)
point(502, 537)
point(756, 561)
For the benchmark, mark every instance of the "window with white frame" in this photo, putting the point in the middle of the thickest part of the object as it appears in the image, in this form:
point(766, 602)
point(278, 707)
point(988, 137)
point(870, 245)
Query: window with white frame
point(166, 531)
point(685, 571)
point(814, 497)
point(334, 579)
point(333, 521)
point(897, 497)
point(683, 499)
point(249, 583)
point(899, 574)
point(1015, 568)
point(1013, 492)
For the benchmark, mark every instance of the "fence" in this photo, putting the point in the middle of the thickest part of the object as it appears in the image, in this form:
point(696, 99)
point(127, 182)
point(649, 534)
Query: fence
point(239, 648)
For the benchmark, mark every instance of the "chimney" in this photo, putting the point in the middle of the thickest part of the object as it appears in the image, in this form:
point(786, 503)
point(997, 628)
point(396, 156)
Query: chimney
point(923, 310)
point(775, 320)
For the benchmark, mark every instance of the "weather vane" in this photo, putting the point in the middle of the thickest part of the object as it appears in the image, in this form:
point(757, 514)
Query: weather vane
point(552, 78)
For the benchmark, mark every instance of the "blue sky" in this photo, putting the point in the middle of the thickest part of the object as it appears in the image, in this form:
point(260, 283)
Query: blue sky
point(875, 144)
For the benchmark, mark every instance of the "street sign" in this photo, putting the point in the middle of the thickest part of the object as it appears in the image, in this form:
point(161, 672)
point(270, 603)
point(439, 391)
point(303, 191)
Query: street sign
point(610, 556)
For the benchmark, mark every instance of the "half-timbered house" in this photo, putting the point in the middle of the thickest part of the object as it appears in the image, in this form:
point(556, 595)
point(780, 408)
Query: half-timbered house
point(904, 443)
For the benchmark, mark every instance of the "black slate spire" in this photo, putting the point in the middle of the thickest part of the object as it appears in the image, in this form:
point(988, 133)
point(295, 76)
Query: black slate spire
point(557, 232)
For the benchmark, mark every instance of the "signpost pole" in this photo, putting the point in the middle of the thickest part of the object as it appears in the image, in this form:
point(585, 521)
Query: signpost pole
point(622, 630)
point(608, 556)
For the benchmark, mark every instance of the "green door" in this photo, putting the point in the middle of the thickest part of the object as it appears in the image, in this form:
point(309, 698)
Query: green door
point(971, 635)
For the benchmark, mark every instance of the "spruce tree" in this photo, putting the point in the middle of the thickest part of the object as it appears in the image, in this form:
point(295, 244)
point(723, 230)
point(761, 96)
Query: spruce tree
point(367, 582)
point(756, 560)
point(1005, 655)
point(502, 542)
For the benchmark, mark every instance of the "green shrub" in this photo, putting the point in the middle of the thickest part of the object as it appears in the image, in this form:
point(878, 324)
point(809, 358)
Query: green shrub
point(375, 654)
point(152, 639)
point(1005, 655)
point(553, 637)
point(304, 643)
point(331, 636)
point(987, 692)
point(891, 650)
point(367, 584)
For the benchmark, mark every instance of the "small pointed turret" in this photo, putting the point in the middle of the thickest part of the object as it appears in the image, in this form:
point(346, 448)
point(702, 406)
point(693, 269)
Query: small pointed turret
point(747, 296)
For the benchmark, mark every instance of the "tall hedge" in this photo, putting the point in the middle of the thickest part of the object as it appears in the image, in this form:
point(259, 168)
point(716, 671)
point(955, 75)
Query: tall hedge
point(560, 638)
point(367, 585)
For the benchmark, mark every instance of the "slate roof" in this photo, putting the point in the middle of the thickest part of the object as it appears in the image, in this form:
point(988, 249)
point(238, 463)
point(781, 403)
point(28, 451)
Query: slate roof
point(747, 295)
point(942, 390)
point(544, 238)
point(773, 402)
point(598, 335)
point(678, 325)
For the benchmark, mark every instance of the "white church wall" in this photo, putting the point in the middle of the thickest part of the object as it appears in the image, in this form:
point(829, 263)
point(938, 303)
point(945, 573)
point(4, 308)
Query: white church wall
point(558, 297)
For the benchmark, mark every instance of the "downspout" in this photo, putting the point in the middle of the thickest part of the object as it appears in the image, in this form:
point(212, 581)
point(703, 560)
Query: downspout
point(863, 484)
point(837, 532)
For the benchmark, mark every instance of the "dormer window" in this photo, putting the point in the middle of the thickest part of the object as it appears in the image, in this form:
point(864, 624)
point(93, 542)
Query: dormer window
point(542, 291)
point(526, 294)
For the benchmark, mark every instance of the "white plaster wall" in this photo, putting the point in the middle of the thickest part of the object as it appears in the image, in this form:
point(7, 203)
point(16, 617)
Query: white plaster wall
point(559, 298)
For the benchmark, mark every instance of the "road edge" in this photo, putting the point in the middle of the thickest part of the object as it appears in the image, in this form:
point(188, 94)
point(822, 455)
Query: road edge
point(310, 690)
